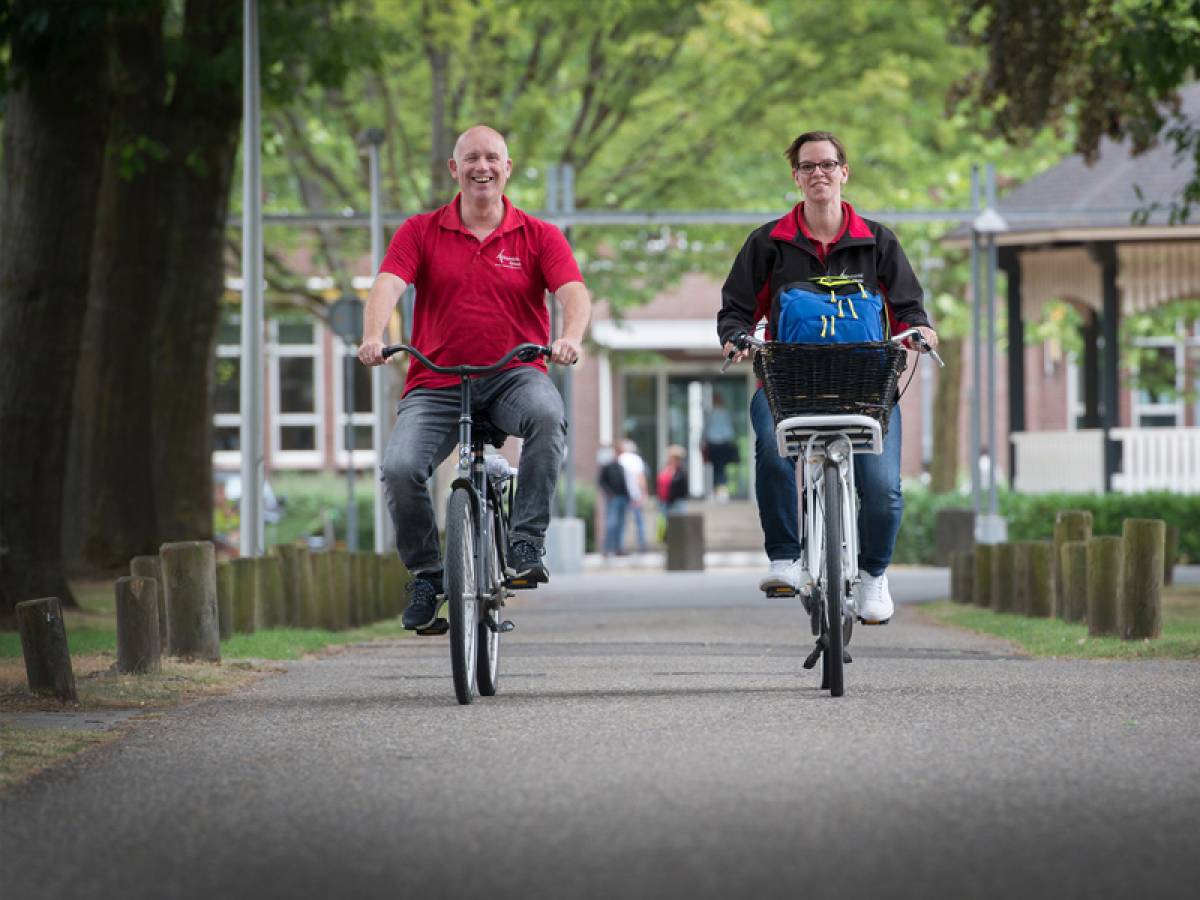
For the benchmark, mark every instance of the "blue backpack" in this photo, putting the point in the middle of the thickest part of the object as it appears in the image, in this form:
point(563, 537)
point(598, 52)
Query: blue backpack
point(829, 309)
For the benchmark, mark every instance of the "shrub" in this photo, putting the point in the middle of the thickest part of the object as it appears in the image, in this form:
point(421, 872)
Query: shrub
point(1031, 517)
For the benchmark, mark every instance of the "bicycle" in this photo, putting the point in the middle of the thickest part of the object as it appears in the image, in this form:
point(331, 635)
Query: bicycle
point(829, 401)
point(476, 545)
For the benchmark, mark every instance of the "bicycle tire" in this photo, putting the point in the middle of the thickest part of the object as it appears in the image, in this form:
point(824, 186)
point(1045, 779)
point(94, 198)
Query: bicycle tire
point(461, 604)
point(835, 585)
point(487, 642)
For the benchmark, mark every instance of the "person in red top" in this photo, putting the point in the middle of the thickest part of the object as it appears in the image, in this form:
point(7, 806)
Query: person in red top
point(481, 268)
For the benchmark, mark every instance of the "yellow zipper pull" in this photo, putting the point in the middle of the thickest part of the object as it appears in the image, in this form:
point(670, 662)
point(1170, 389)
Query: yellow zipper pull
point(832, 326)
point(841, 312)
point(853, 312)
point(823, 326)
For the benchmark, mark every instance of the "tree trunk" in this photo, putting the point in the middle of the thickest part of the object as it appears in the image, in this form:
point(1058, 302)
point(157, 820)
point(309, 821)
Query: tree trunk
point(205, 113)
point(109, 513)
point(944, 466)
point(55, 119)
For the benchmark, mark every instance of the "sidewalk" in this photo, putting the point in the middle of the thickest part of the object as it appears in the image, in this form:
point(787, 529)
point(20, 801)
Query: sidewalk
point(655, 560)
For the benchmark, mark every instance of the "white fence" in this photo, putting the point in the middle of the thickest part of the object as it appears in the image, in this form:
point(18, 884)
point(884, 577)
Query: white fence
point(1152, 459)
point(1158, 459)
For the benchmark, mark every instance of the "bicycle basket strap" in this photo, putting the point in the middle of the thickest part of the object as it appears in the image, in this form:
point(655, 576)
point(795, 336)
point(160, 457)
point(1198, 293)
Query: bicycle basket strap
point(827, 310)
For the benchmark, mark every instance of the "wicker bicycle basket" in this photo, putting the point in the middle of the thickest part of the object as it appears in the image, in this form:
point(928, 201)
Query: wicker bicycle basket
point(830, 379)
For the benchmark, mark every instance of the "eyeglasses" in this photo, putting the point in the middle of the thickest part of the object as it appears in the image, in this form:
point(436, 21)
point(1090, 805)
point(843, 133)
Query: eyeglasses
point(826, 165)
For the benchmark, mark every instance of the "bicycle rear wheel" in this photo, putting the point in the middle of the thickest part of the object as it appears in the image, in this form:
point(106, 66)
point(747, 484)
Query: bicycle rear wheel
point(488, 641)
point(835, 585)
point(461, 603)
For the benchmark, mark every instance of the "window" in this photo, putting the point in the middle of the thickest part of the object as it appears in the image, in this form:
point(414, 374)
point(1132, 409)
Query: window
point(296, 391)
point(364, 453)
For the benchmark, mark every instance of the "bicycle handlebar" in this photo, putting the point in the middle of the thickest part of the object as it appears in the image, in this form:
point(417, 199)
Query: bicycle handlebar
point(524, 352)
point(745, 341)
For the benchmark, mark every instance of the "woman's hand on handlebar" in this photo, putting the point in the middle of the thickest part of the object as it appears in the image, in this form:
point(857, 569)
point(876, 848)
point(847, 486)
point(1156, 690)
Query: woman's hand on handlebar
point(370, 353)
point(566, 352)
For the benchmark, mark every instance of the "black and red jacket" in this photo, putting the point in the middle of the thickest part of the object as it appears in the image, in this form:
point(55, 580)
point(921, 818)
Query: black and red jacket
point(779, 253)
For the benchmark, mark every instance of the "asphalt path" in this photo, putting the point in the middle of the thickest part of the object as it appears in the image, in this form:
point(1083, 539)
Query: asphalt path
point(655, 736)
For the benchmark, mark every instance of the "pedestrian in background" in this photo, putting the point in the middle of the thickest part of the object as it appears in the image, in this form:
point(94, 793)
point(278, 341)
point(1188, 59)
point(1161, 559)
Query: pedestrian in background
point(635, 481)
point(615, 491)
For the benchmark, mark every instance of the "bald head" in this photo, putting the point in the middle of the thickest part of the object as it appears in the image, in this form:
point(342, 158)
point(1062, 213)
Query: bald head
point(480, 136)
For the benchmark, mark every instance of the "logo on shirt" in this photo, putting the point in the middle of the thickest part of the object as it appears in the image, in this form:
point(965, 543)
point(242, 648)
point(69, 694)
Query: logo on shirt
point(507, 262)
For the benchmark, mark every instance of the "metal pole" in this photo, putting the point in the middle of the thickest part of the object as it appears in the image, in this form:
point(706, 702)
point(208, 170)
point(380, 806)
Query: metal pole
point(351, 505)
point(993, 455)
point(253, 535)
point(381, 420)
point(976, 352)
point(568, 381)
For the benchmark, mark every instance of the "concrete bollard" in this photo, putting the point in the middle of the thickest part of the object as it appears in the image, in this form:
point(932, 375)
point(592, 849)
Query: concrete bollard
point(151, 567)
point(1041, 579)
point(44, 646)
point(685, 542)
point(1069, 525)
point(1004, 577)
point(1073, 567)
point(984, 555)
point(1104, 580)
point(139, 650)
point(190, 578)
point(1141, 598)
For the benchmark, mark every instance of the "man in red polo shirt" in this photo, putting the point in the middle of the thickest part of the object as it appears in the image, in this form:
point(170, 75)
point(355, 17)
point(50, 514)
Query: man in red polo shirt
point(481, 268)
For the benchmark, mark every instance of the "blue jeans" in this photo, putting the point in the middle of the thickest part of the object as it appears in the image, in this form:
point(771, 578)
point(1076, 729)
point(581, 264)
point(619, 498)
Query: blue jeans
point(614, 522)
point(881, 503)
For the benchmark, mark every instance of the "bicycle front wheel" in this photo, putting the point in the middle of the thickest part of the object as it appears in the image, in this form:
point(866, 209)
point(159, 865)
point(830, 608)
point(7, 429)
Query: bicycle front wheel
point(461, 602)
point(835, 585)
point(488, 663)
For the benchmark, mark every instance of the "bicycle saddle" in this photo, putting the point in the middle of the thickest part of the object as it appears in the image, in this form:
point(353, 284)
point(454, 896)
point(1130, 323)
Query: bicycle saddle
point(488, 432)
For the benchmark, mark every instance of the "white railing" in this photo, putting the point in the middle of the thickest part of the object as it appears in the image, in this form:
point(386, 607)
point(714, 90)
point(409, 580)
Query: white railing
point(1158, 459)
point(1059, 461)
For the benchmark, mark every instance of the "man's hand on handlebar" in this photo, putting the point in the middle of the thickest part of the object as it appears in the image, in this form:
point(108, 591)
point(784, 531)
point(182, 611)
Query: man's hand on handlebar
point(566, 352)
point(370, 353)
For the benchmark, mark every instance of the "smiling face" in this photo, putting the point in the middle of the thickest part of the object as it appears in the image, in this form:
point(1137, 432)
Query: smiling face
point(819, 185)
point(481, 165)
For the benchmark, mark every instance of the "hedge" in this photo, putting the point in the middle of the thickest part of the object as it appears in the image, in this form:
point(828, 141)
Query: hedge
point(1031, 517)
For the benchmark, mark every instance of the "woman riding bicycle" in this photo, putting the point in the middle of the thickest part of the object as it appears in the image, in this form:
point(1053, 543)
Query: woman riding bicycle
point(823, 239)
point(481, 268)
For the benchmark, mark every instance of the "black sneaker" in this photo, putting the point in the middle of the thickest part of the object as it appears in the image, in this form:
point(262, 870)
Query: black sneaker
point(525, 565)
point(423, 603)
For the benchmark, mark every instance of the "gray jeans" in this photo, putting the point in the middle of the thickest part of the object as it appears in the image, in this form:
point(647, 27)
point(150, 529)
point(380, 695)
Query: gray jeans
point(521, 401)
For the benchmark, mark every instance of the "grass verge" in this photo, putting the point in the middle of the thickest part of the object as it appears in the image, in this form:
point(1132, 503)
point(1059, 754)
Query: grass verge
point(1053, 637)
point(92, 637)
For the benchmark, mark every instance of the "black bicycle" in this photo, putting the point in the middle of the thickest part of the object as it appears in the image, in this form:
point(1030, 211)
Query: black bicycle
point(477, 520)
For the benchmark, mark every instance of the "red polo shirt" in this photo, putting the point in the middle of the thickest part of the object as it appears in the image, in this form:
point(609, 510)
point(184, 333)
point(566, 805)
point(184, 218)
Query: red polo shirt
point(477, 300)
point(823, 249)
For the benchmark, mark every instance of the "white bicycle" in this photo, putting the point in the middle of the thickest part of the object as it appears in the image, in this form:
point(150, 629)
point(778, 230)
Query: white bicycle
point(830, 401)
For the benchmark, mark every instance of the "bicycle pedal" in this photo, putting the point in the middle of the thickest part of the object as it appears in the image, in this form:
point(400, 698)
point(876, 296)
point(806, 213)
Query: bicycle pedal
point(780, 592)
point(846, 656)
point(439, 626)
point(522, 584)
point(813, 657)
point(863, 621)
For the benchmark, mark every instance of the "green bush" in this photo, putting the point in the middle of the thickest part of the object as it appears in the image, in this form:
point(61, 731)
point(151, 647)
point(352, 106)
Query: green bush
point(1031, 517)
point(306, 495)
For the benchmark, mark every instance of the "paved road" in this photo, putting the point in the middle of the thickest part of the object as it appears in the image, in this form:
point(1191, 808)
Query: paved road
point(655, 737)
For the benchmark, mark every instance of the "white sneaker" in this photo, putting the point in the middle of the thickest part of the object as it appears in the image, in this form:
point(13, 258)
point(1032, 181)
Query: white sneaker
point(875, 605)
point(785, 575)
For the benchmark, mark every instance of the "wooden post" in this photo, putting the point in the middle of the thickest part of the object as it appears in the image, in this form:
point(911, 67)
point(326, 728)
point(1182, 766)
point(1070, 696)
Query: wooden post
point(1171, 554)
point(245, 595)
point(343, 587)
point(387, 585)
point(1023, 559)
point(44, 645)
point(1141, 598)
point(138, 647)
point(151, 567)
point(984, 555)
point(1104, 581)
point(1069, 525)
point(190, 579)
point(1004, 571)
point(225, 599)
point(323, 590)
point(1073, 566)
point(297, 585)
point(1041, 579)
point(269, 588)
point(362, 588)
